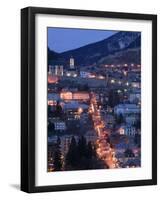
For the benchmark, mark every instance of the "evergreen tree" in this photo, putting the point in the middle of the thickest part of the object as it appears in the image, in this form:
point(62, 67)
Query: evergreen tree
point(138, 124)
point(119, 119)
point(57, 158)
point(58, 111)
point(137, 140)
point(113, 98)
point(94, 151)
point(129, 153)
point(51, 127)
point(72, 154)
point(90, 152)
point(82, 147)
point(50, 113)
point(58, 141)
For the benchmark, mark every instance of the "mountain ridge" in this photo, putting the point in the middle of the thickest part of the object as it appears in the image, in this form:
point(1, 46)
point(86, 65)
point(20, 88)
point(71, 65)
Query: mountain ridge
point(93, 53)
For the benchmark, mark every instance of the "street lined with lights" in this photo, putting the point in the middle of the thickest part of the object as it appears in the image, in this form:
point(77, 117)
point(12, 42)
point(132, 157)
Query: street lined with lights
point(104, 150)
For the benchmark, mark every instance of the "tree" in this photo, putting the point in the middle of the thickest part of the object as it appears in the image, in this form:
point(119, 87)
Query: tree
point(114, 98)
point(86, 87)
point(137, 140)
point(58, 111)
point(82, 148)
point(119, 119)
point(129, 153)
point(89, 153)
point(72, 154)
point(57, 157)
point(58, 141)
point(50, 113)
point(57, 161)
point(51, 127)
point(138, 124)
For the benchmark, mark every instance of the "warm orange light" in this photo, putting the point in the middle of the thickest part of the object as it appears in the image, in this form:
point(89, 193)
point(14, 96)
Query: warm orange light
point(66, 95)
point(52, 79)
point(80, 110)
point(50, 102)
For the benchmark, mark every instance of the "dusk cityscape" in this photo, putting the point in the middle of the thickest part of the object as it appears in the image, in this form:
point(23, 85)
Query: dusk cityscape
point(94, 99)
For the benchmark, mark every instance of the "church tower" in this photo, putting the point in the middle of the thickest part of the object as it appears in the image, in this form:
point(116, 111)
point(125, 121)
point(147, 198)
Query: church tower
point(71, 63)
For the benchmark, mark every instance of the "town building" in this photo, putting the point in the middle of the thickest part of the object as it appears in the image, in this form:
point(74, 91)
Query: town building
point(60, 126)
point(127, 130)
point(80, 96)
point(126, 109)
point(84, 74)
point(131, 119)
point(136, 84)
point(71, 71)
point(56, 69)
point(66, 95)
point(135, 96)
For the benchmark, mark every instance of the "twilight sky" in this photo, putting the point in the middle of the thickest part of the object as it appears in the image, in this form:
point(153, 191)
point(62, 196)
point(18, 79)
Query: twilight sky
point(64, 39)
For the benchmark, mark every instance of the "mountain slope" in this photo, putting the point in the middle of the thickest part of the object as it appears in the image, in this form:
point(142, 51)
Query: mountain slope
point(114, 49)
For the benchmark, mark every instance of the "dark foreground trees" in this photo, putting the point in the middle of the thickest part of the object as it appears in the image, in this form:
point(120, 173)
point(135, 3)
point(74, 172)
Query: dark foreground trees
point(57, 156)
point(114, 98)
point(129, 153)
point(82, 155)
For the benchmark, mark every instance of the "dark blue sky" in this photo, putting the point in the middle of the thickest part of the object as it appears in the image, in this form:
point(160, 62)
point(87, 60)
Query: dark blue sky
point(64, 39)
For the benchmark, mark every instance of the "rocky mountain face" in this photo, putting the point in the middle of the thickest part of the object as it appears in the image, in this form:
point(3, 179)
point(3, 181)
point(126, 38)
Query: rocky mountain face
point(122, 47)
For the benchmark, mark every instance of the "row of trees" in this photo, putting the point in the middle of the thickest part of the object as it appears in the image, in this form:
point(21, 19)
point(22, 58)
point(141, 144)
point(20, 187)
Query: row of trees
point(57, 112)
point(81, 155)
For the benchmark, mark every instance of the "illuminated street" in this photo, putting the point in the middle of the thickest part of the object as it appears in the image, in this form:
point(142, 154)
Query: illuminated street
point(104, 151)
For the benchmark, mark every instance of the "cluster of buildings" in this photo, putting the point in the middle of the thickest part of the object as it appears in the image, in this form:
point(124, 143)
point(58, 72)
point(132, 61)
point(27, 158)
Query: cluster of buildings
point(57, 68)
point(121, 117)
